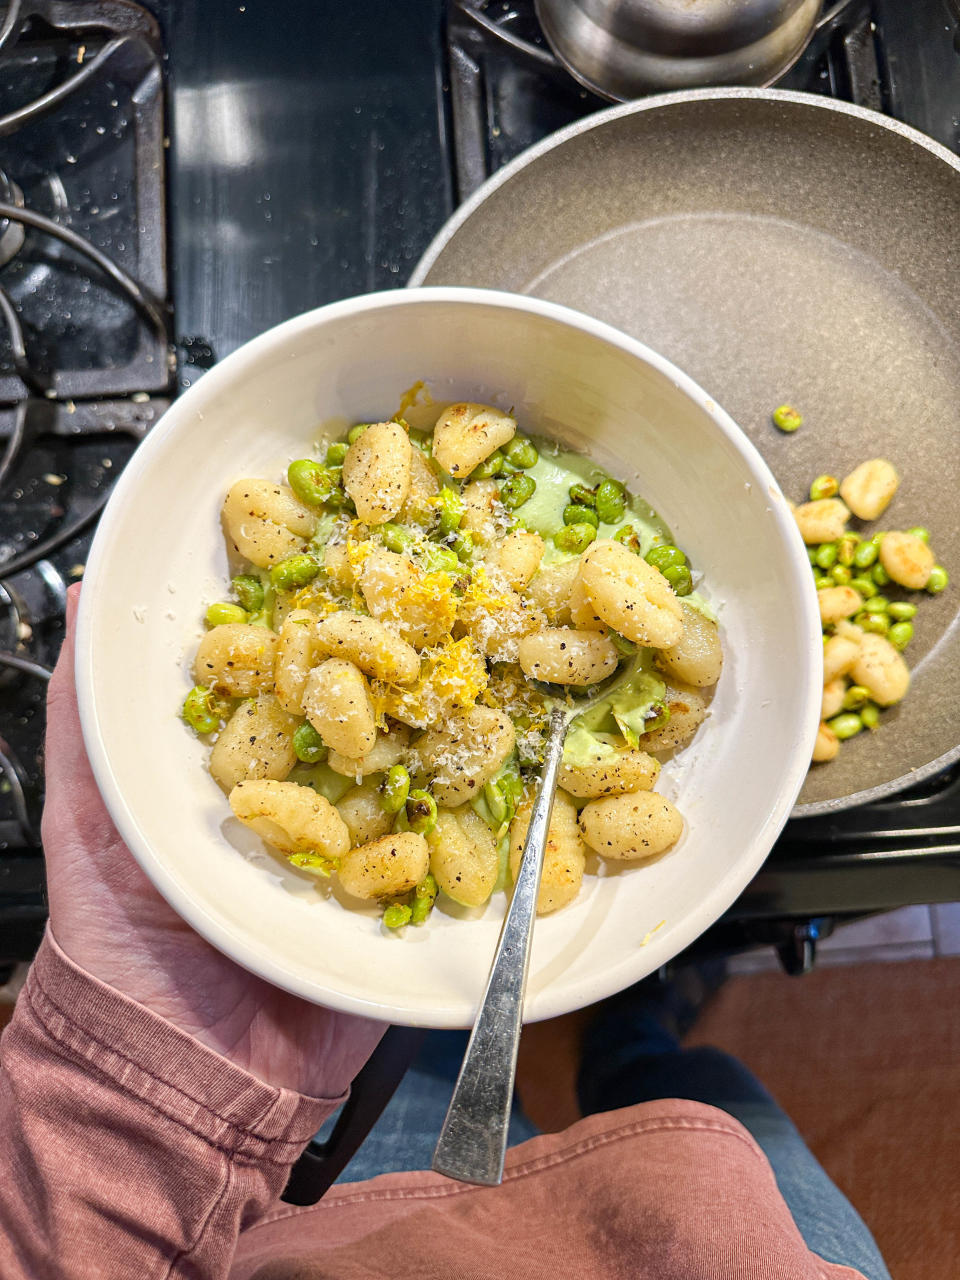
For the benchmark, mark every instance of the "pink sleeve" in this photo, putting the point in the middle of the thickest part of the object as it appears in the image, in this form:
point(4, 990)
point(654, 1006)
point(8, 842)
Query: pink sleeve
point(124, 1138)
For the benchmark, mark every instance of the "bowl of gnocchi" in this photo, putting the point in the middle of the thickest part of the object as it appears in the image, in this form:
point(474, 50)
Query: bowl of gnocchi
point(344, 582)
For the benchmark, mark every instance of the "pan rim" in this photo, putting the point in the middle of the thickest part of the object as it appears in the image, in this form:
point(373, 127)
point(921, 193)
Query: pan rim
point(450, 228)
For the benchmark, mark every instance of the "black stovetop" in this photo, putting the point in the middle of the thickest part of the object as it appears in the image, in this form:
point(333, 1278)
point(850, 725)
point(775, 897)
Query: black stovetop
point(292, 160)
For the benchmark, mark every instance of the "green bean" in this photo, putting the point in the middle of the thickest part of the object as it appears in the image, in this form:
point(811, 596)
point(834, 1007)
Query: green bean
point(517, 489)
point(311, 481)
point(824, 487)
point(827, 555)
point(582, 494)
point(846, 549)
point(879, 575)
point(902, 611)
point(424, 896)
point(496, 801)
point(421, 811)
point(397, 915)
point(491, 466)
point(846, 725)
point(521, 452)
point(201, 710)
point(611, 501)
point(294, 572)
point(575, 513)
point(574, 537)
point(336, 453)
point(396, 538)
point(841, 575)
point(627, 535)
point(308, 746)
point(680, 579)
point(866, 554)
point(395, 789)
point(938, 579)
point(354, 434)
point(866, 586)
point(855, 697)
point(786, 418)
point(918, 531)
point(462, 545)
point(665, 557)
point(900, 634)
point(439, 559)
point(870, 715)
point(249, 591)
point(451, 511)
point(878, 623)
point(821, 582)
point(220, 613)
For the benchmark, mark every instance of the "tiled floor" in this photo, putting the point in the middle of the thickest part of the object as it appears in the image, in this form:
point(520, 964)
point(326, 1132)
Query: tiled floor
point(912, 933)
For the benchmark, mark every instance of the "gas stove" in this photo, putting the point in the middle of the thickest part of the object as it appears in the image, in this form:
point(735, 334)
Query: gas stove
point(177, 178)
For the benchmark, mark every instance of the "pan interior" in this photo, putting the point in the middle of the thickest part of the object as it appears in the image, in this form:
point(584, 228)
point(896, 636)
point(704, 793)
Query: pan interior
point(777, 251)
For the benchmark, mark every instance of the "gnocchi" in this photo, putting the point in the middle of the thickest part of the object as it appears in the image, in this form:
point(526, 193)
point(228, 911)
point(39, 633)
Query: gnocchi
point(376, 701)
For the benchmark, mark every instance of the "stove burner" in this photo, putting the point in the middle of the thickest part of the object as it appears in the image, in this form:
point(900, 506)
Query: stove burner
point(11, 233)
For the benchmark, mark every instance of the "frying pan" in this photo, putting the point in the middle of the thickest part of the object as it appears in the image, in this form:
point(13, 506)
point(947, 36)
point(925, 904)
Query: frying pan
point(779, 247)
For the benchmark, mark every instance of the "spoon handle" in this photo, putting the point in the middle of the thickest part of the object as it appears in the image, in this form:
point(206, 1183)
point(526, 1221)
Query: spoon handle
point(473, 1140)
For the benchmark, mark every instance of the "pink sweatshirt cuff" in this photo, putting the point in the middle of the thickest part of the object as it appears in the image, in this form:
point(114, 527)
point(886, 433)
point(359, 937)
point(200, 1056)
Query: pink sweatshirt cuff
point(147, 1057)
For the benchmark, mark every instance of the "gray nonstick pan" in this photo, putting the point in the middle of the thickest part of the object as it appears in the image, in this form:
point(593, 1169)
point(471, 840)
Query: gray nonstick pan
point(779, 247)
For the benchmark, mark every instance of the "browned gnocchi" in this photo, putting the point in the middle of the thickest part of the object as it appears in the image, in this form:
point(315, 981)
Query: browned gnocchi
point(407, 608)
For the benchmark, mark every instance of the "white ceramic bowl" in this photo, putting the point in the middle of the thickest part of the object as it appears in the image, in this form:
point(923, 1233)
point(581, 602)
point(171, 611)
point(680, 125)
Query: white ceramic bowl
point(159, 556)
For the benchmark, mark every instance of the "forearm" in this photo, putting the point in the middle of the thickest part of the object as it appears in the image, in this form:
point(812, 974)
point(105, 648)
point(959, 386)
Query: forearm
point(125, 1143)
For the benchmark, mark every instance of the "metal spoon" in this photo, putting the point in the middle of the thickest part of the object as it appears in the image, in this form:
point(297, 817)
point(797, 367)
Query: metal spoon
point(473, 1140)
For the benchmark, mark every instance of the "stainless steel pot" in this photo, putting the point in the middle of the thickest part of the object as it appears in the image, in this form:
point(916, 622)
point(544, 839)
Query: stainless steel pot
point(623, 49)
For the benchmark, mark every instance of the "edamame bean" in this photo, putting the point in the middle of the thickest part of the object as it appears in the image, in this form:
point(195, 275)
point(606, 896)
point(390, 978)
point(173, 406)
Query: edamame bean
point(855, 697)
point(866, 554)
point(294, 572)
point(439, 559)
point(582, 494)
point(628, 536)
point(517, 489)
point(870, 715)
point(938, 579)
point(249, 591)
point(812, 555)
point(308, 746)
point(665, 557)
point(451, 511)
point(879, 604)
point(879, 575)
point(786, 418)
point(847, 725)
point(462, 545)
point(878, 623)
point(575, 513)
point(680, 579)
point(900, 635)
point(424, 896)
point(221, 613)
point(846, 549)
point(866, 586)
point(918, 531)
point(201, 710)
point(489, 467)
point(397, 915)
point(354, 434)
point(902, 611)
point(311, 481)
point(827, 555)
point(574, 537)
point(421, 811)
point(521, 452)
point(395, 538)
point(841, 575)
point(496, 801)
point(824, 487)
point(821, 581)
point(611, 501)
point(336, 453)
point(395, 789)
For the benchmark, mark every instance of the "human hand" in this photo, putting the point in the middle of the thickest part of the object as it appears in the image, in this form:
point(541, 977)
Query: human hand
point(109, 919)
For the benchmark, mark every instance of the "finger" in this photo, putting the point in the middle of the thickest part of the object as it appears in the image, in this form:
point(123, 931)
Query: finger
point(64, 751)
